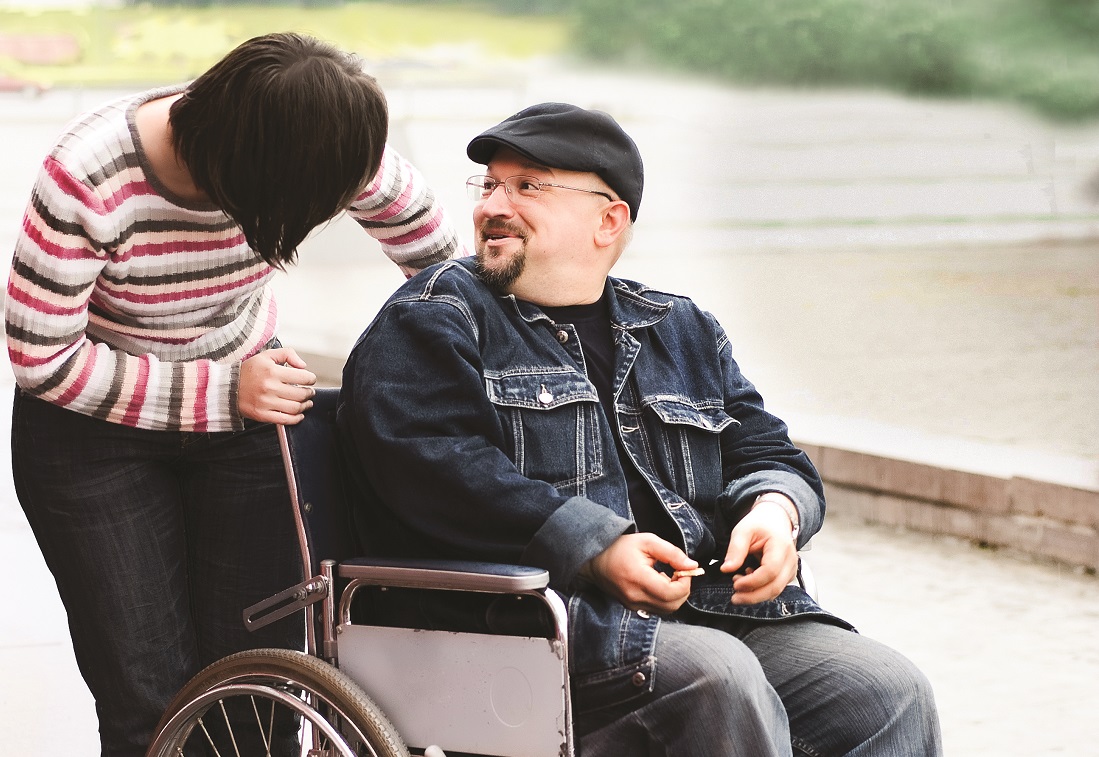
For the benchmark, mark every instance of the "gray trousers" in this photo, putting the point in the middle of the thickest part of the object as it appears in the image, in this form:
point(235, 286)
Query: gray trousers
point(754, 689)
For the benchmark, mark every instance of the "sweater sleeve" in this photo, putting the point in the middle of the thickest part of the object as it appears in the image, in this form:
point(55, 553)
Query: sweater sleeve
point(400, 211)
point(58, 258)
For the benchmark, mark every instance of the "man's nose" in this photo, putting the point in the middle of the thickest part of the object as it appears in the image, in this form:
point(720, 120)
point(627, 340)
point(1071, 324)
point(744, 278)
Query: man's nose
point(498, 202)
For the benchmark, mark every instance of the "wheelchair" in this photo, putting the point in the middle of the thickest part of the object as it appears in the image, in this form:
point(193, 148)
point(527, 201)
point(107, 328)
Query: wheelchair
point(361, 689)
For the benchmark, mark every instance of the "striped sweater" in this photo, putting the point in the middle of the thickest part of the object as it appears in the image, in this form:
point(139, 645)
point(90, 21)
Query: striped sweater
point(132, 305)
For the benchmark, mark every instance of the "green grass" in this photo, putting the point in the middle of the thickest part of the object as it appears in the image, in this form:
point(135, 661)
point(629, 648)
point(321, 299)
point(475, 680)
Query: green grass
point(143, 45)
point(1043, 53)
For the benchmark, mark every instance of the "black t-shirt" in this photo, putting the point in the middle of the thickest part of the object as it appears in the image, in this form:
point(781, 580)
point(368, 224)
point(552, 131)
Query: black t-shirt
point(593, 328)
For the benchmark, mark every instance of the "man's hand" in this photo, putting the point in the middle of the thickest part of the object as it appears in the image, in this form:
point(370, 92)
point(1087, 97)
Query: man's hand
point(625, 571)
point(765, 531)
point(275, 387)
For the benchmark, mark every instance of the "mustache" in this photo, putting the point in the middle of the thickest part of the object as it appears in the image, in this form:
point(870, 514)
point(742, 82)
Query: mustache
point(493, 228)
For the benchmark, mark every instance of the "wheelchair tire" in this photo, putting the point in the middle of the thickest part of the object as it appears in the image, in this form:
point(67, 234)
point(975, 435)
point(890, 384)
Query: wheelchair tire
point(266, 689)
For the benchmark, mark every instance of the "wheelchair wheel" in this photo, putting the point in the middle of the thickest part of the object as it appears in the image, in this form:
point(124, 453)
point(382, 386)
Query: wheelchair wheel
point(274, 702)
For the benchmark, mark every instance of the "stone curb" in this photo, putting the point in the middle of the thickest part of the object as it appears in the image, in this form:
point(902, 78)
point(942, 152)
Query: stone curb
point(1038, 518)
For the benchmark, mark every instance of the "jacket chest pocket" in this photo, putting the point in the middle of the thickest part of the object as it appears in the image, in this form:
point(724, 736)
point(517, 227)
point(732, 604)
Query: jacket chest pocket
point(684, 438)
point(552, 420)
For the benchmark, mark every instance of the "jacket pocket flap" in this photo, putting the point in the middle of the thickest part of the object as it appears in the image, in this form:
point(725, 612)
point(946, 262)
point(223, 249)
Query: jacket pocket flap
point(539, 390)
point(681, 411)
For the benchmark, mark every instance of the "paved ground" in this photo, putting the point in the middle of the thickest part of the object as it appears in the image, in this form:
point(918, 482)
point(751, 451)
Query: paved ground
point(902, 274)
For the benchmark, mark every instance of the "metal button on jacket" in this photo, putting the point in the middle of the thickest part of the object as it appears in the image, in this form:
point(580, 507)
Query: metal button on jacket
point(562, 336)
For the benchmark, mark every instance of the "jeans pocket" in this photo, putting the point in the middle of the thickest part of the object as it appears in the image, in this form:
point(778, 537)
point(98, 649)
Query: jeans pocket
point(611, 688)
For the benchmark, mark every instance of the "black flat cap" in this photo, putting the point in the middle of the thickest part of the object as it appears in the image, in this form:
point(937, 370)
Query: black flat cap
point(559, 135)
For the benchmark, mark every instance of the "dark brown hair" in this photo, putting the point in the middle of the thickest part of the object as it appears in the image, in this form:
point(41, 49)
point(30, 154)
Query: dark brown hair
point(282, 134)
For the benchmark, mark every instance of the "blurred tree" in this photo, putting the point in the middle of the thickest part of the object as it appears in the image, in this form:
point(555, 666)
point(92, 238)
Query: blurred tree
point(911, 46)
point(512, 7)
point(1039, 52)
point(1080, 16)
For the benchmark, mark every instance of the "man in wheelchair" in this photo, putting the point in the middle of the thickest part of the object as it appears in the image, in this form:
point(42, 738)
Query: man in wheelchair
point(525, 407)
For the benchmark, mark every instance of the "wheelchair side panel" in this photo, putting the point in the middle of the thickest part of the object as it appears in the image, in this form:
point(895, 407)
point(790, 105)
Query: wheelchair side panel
point(499, 695)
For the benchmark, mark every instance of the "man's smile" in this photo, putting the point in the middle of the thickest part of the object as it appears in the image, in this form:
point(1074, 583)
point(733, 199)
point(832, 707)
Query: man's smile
point(495, 236)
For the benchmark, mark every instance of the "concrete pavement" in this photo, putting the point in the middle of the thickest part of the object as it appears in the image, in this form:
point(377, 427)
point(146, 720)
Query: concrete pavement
point(902, 274)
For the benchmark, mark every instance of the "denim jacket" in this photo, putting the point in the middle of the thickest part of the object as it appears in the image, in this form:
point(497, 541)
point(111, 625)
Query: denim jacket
point(470, 415)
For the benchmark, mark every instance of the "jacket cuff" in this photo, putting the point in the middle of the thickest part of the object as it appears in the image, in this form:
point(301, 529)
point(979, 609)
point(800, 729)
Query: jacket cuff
point(576, 532)
point(739, 496)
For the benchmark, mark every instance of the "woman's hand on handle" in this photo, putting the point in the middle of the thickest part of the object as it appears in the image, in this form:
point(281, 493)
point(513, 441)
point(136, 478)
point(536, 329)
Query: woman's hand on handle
point(275, 387)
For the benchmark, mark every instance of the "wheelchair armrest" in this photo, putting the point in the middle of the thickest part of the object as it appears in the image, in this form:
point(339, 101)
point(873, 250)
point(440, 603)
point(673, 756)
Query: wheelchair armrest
point(452, 575)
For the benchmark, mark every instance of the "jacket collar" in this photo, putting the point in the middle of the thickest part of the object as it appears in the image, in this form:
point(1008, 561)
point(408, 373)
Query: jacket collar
point(629, 307)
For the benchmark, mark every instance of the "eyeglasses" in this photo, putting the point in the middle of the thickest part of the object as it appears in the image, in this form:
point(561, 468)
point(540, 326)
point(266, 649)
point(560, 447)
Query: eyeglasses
point(526, 187)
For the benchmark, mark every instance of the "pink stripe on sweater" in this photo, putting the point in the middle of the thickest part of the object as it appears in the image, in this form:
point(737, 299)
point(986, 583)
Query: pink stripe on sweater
point(18, 294)
point(398, 205)
point(426, 230)
point(177, 295)
point(137, 399)
point(54, 250)
point(135, 188)
point(70, 186)
point(203, 379)
point(152, 249)
point(21, 359)
point(81, 381)
point(88, 197)
point(271, 324)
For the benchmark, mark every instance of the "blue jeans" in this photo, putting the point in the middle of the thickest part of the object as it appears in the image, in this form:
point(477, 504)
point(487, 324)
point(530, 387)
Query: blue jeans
point(157, 541)
point(759, 689)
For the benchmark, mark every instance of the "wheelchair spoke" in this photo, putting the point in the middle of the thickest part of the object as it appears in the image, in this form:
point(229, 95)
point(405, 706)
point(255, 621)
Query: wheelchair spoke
point(311, 710)
point(259, 724)
point(209, 738)
point(229, 728)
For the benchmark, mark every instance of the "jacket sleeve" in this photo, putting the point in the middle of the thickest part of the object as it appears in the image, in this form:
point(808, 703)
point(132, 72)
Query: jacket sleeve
point(58, 258)
point(422, 432)
point(401, 212)
point(758, 456)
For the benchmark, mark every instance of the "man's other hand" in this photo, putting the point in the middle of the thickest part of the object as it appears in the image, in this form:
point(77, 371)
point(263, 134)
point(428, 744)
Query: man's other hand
point(765, 532)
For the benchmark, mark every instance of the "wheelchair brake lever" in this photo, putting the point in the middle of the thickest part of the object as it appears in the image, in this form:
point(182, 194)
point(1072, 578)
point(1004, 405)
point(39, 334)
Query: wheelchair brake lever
point(286, 602)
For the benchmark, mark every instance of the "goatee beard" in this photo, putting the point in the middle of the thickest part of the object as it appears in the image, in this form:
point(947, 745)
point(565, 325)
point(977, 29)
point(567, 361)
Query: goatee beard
point(507, 270)
point(501, 277)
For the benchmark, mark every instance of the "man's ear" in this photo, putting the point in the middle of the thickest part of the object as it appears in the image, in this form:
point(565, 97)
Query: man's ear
point(615, 220)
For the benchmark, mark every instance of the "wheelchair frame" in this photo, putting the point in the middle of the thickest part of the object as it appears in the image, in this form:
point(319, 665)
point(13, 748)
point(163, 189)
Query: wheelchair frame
point(340, 706)
point(329, 701)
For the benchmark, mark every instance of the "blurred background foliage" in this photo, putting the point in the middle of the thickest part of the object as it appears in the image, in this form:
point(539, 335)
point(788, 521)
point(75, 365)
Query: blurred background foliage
point(1041, 53)
point(146, 44)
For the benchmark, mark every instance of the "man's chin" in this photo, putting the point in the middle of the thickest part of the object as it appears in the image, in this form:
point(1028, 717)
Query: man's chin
point(498, 269)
